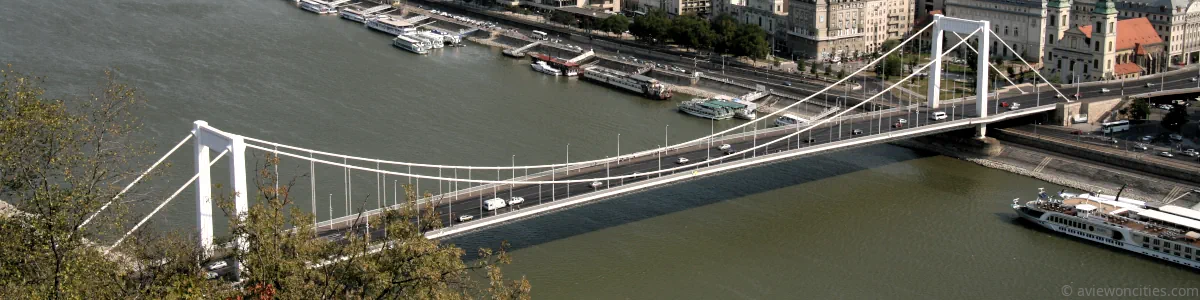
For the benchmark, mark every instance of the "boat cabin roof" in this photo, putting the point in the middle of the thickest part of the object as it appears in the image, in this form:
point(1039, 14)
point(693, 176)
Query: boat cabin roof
point(1170, 218)
point(1182, 211)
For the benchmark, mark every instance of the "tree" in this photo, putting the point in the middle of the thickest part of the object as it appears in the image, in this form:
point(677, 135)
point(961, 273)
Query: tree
point(750, 41)
point(1175, 118)
point(616, 24)
point(563, 17)
point(724, 29)
point(828, 70)
point(800, 65)
point(691, 32)
point(888, 45)
point(814, 68)
point(651, 27)
point(1139, 109)
point(60, 162)
point(892, 66)
point(841, 73)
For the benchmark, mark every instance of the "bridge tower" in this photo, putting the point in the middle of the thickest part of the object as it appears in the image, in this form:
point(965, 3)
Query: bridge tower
point(941, 24)
point(210, 139)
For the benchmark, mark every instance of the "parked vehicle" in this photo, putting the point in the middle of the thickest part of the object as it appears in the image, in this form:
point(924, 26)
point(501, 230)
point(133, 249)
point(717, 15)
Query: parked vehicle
point(464, 218)
point(1176, 137)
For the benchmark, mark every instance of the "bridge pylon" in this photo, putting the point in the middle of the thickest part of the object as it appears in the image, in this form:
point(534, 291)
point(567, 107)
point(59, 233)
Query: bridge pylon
point(210, 139)
point(940, 25)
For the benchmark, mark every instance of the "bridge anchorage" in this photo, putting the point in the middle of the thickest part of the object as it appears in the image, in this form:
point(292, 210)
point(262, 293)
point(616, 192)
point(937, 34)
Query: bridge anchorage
point(897, 113)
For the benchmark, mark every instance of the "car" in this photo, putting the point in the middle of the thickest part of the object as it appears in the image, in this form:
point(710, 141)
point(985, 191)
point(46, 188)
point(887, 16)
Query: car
point(937, 115)
point(1105, 90)
point(1148, 84)
point(211, 275)
point(515, 200)
point(217, 265)
point(1078, 95)
point(897, 125)
point(856, 132)
point(597, 184)
point(810, 140)
point(1147, 138)
point(1175, 137)
point(1076, 132)
point(1057, 95)
point(1140, 147)
point(681, 160)
point(729, 151)
point(1166, 154)
point(1191, 152)
point(1194, 79)
point(787, 83)
point(1004, 104)
point(464, 218)
point(902, 121)
point(1014, 106)
point(725, 147)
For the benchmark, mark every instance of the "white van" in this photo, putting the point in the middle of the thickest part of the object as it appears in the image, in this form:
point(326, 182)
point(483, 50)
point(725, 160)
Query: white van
point(494, 204)
point(938, 115)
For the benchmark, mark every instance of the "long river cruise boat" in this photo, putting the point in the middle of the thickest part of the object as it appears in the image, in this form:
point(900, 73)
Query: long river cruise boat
point(316, 6)
point(362, 15)
point(646, 86)
point(1164, 232)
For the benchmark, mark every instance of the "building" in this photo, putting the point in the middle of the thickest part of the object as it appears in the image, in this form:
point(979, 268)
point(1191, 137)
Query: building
point(770, 15)
point(701, 8)
point(1021, 23)
point(611, 6)
point(900, 17)
point(1176, 22)
point(832, 30)
point(1107, 48)
point(927, 7)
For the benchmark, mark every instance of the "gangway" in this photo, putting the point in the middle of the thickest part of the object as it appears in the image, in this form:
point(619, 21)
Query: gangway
point(520, 52)
point(337, 3)
point(375, 10)
point(416, 19)
point(755, 95)
point(583, 56)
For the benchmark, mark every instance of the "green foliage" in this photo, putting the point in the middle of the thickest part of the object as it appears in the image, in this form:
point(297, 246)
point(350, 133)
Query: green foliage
point(888, 45)
point(1139, 109)
point(828, 70)
point(1175, 118)
point(563, 17)
point(814, 68)
point(652, 27)
point(892, 66)
point(691, 32)
point(800, 65)
point(615, 24)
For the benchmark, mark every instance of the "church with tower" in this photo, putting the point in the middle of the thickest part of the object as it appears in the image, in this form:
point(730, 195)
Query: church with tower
point(1099, 46)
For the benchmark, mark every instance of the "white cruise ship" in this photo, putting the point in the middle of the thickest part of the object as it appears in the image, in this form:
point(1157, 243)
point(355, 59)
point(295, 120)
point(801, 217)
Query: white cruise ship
point(316, 6)
point(407, 42)
point(541, 66)
point(1165, 232)
point(390, 25)
point(362, 15)
point(788, 120)
point(707, 108)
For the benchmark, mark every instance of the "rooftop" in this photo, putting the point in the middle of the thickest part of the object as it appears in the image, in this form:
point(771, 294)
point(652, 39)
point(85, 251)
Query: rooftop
point(1131, 32)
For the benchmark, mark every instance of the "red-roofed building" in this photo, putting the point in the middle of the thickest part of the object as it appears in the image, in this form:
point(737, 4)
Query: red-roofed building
point(1107, 49)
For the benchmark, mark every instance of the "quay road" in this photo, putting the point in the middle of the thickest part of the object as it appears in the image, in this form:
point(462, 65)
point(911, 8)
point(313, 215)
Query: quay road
point(450, 207)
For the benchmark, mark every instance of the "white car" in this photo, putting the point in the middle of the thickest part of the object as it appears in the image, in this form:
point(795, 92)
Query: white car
point(1166, 154)
point(681, 160)
point(1105, 90)
point(938, 115)
point(464, 218)
point(515, 200)
point(1194, 79)
point(724, 147)
point(217, 265)
point(597, 184)
point(1150, 84)
point(211, 275)
point(902, 121)
point(1191, 152)
point(1014, 106)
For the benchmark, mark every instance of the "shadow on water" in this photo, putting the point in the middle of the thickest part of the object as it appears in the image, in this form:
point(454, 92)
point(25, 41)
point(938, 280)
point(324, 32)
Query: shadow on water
point(679, 197)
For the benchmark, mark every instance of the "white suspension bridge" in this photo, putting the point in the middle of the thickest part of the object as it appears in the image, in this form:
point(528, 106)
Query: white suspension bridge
point(462, 189)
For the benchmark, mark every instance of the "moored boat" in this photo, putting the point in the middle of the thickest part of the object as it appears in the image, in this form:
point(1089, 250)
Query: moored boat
point(707, 108)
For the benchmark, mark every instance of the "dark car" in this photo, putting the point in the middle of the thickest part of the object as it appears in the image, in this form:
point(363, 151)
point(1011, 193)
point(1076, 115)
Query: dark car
point(810, 140)
point(856, 132)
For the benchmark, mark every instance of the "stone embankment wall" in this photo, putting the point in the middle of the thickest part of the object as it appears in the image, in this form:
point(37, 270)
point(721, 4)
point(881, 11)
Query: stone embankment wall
point(1169, 171)
point(1065, 170)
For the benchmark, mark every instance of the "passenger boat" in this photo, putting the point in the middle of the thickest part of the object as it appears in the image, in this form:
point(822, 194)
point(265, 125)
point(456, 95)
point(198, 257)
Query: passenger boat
point(319, 7)
point(646, 86)
point(541, 66)
point(742, 109)
point(353, 15)
point(788, 120)
point(707, 108)
point(1164, 232)
point(407, 42)
point(390, 25)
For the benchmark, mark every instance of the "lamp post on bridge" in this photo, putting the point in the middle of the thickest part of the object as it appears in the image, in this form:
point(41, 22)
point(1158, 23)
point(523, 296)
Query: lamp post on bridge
point(618, 147)
point(512, 185)
point(568, 169)
point(666, 133)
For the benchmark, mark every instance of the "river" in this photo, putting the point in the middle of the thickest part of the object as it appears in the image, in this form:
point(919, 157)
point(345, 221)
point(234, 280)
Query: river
point(878, 221)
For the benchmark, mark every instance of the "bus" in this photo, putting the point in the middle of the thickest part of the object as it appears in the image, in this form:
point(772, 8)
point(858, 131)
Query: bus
point(1117, 126)
point(538, 34)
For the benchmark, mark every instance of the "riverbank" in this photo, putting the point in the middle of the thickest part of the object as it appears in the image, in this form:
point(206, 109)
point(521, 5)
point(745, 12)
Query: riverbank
point(1080, 174)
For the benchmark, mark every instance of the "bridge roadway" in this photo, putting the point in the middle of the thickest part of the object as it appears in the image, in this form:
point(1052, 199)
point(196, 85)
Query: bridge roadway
point(470, 203)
